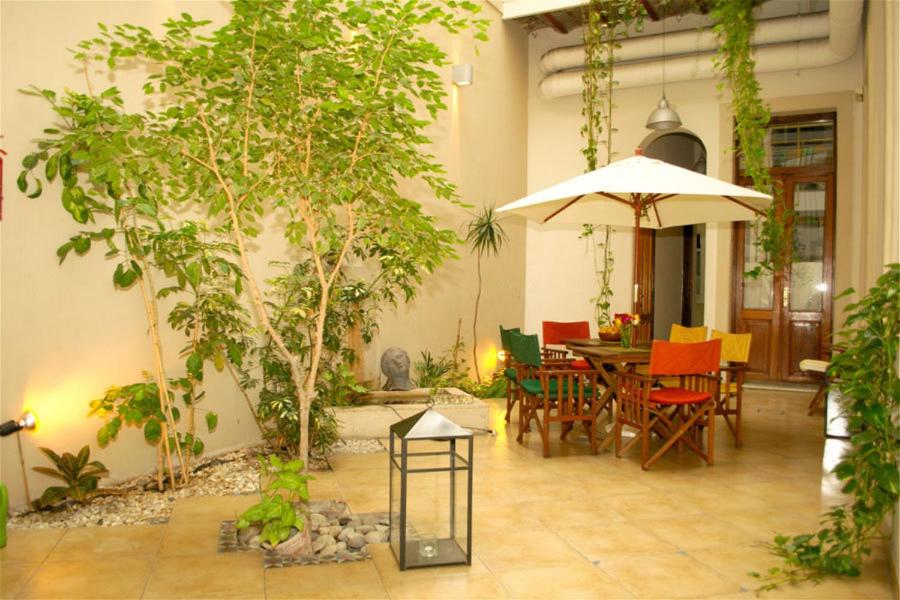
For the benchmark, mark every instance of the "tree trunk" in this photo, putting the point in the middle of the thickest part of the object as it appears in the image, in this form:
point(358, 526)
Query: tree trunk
point(475, 325)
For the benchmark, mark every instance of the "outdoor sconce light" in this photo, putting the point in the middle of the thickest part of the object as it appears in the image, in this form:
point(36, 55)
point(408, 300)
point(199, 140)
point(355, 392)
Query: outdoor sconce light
point(430, 492)
point(26, 421)
point(501, 356)
point(463, 74)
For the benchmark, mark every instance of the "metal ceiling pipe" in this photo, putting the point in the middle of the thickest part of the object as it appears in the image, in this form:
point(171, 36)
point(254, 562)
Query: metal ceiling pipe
point(692, 41)
point(844, 23)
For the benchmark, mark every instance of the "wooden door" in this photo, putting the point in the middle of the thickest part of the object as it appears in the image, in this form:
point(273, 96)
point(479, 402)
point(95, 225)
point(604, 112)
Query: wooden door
point(643, 289)
point(789, 311)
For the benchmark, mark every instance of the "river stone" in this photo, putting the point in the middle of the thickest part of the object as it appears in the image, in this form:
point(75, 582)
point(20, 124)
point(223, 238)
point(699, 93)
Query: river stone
point(322, 542)
point(247, 533)
point(328, 550)
point(324, 530)
point(318, 520)
point(373, 537)
point(346, 533)
point(364, 529)
point(344, 520)
point(335, 530)
point(354, 523)
point(341, 546)
point(356, 541)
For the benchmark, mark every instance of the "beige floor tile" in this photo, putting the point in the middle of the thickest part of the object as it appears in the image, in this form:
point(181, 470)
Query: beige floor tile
point(364, 499)
point(201, 537)
point(346, 580)
point(13, 576)
point(654, 505)
point(104, 543)
point(697, 532)
point(210, 508)
point(577, 581)
point(613, 539)
point(666, 576)
point(112, 578)
point(450, 587)
point(372, 460)
point(237, 575)
point(30, 545)
point(736, 562)
point(362, 477)
point(517, 550)
point(387, 567)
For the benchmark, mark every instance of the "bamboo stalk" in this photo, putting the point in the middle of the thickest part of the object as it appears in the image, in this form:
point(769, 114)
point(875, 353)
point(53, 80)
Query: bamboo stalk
point(159, 466)
point(24, 470)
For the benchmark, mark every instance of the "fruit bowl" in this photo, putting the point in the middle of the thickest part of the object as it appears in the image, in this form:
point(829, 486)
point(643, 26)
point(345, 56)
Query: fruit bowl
point(610, 336)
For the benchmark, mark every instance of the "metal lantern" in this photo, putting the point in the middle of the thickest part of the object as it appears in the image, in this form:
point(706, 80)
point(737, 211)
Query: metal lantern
point(431, 492)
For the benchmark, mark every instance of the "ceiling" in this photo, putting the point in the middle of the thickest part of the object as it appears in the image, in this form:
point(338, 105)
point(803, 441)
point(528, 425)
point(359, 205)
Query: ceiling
point(564, 16)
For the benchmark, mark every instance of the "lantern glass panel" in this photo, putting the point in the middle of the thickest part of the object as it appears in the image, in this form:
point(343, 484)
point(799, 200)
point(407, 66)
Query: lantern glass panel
point(437, 502)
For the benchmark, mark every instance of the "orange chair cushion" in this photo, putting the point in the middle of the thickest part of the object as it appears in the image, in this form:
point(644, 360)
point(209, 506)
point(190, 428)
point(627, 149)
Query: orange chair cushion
point(579, 363)
point(677, 396)
point(671, 358)
point(555, 332)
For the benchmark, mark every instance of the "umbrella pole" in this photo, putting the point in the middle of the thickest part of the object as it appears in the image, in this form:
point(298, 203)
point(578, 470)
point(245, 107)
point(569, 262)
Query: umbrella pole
point(637, 259)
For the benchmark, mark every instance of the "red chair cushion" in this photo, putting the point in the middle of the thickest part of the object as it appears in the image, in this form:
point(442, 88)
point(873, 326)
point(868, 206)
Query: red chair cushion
point(677, 396)
point(555, 332)
point(580, 363)
point(672, 358)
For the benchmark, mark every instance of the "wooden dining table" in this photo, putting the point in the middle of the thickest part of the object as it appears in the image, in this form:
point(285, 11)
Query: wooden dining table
point(607, 358)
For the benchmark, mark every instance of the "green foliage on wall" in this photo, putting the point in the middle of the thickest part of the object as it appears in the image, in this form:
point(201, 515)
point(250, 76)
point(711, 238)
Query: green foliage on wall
point(865, 373)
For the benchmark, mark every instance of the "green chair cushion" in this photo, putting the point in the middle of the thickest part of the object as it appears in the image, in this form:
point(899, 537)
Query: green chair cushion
point(510, 373)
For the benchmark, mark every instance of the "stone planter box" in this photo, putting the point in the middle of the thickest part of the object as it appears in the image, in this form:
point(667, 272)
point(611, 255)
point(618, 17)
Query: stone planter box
point(374, 418)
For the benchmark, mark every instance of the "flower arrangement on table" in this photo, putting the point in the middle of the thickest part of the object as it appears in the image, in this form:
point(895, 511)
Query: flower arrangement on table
point(626, 323)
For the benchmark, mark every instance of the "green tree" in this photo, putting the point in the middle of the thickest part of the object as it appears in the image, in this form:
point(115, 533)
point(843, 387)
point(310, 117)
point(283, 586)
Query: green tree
point(313, 110)
point(485, 236)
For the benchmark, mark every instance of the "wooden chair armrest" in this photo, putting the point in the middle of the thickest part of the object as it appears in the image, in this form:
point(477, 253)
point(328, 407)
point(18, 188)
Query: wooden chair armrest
point(735, 367)
point(553, 354)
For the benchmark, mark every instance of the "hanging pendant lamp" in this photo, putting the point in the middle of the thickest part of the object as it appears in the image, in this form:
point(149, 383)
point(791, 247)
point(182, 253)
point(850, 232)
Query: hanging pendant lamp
point(663, 116)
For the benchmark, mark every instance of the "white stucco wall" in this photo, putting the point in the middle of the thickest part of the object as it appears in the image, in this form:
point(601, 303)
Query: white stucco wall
point(66, 334)
point(554, 145)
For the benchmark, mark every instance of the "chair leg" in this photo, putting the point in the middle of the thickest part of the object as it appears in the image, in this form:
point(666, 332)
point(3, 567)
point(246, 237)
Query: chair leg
point(817, 399)
point(711, 433)
point(738, 441)
point(545, 428)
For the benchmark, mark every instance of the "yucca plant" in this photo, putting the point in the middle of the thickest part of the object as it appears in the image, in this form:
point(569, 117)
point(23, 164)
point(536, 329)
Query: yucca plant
point(484, 235)
point(79, 472)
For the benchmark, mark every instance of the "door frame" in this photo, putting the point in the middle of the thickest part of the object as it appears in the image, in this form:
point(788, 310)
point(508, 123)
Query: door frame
point(779, 362)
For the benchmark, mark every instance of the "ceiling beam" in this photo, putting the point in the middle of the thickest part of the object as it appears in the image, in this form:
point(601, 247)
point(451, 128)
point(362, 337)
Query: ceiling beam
point(651, 12)
point(554, 23)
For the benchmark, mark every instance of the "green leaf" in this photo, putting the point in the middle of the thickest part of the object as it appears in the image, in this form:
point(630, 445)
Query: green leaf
point(195, 366)
point(197, 447)
point(22, 181)
point(30, 161)
point(212, 419)
point(152, 431)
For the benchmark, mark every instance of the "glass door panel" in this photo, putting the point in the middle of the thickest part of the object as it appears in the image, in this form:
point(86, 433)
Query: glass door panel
point(757, 292)
point(808, 285)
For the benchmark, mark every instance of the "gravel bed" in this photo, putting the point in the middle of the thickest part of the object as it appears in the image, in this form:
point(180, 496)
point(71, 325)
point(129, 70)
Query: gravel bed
point(136, 501)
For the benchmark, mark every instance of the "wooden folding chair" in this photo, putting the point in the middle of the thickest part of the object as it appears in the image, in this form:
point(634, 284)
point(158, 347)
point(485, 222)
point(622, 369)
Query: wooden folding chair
point(677, 415)
point(509, 370)
point(555, 334)
point(736, 353)
point(687, 335)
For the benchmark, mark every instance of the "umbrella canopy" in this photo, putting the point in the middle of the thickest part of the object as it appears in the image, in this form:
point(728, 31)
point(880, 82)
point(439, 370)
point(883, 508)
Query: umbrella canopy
point(660, 194)
point(641, 192)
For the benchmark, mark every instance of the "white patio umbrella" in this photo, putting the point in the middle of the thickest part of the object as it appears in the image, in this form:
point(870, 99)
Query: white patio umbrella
point(641, 192)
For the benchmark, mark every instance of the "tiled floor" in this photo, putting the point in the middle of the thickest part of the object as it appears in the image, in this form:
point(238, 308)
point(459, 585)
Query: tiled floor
point(572, 526)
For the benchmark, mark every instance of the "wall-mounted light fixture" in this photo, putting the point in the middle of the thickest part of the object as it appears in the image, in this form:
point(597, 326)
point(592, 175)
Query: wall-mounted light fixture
point(463, 74)
point(26, 421)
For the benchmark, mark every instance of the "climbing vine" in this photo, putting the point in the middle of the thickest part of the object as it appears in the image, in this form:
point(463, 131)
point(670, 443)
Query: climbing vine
point(866, 376)
point(605, 23)
point(734, 26)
